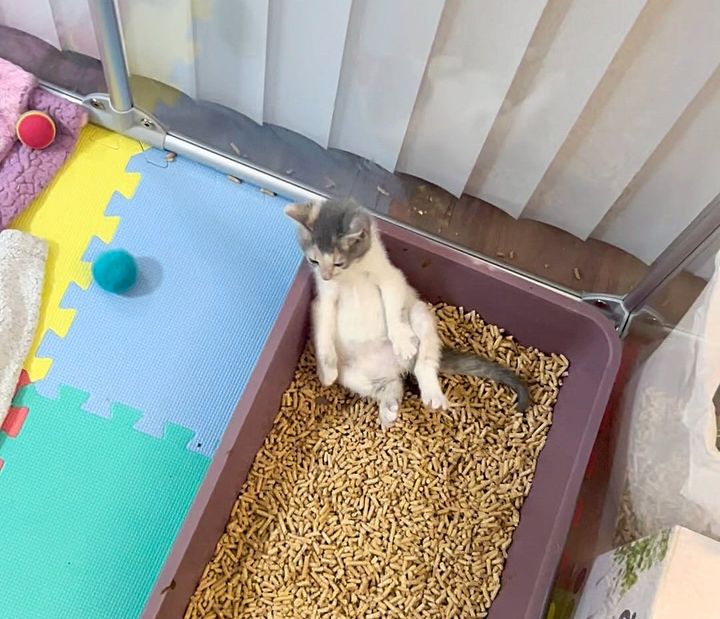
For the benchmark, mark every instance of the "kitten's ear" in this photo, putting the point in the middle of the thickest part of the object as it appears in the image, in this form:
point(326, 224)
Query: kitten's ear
point(305, 214)
point(358, 228)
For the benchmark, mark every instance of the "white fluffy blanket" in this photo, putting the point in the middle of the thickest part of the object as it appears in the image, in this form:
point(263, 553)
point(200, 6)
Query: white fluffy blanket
point(22, 270)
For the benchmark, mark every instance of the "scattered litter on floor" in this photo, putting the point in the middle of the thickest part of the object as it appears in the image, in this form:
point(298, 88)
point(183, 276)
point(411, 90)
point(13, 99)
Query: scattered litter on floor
point(340, 519)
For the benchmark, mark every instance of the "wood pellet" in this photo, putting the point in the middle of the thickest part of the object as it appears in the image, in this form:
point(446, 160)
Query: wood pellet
point(338, 518)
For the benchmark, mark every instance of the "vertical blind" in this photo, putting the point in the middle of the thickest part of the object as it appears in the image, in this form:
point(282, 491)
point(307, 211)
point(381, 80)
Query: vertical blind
point(599, 117)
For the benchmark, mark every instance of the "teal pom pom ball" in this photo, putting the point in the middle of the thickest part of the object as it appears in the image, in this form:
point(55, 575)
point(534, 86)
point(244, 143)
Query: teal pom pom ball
point(115, 271)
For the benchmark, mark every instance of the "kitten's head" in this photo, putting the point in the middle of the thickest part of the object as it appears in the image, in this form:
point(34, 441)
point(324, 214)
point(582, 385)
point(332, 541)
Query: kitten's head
point(333, 234)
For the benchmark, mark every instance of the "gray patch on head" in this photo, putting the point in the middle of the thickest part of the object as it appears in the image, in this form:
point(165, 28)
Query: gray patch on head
point(342, 227)
point(332, 234)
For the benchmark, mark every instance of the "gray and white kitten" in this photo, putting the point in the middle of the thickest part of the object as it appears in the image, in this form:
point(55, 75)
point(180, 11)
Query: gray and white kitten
point(370, 327)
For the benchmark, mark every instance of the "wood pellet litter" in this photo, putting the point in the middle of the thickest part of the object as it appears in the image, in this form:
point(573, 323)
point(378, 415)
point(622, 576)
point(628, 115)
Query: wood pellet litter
point(627, 528)
point(656, 468)
point(338, 518)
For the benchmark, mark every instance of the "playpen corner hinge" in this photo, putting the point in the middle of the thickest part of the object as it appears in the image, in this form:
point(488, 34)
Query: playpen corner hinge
point(612, 307)
point(134, 122)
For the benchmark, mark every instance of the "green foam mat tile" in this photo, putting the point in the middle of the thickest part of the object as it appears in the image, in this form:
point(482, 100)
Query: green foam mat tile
point(89, 509)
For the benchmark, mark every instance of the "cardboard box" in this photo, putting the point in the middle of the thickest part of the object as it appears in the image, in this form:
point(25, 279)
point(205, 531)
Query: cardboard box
point(672, 575)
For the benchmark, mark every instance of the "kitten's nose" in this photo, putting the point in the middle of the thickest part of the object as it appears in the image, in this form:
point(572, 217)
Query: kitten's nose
point(326, 274)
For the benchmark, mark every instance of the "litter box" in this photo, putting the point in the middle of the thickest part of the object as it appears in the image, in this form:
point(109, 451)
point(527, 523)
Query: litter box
point(536, 317)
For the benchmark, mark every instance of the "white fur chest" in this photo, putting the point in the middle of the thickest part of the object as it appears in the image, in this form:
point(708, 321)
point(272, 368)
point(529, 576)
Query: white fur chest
point(360, 312)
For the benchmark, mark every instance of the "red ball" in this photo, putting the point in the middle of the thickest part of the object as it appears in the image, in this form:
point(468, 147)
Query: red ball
point(35, 129)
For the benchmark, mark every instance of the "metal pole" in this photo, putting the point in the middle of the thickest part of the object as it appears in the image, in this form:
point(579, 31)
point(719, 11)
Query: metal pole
point(700, 233)
point(112, 53)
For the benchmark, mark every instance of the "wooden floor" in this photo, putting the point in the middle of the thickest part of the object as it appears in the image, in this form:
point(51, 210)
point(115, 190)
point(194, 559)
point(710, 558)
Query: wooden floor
point(537, 248)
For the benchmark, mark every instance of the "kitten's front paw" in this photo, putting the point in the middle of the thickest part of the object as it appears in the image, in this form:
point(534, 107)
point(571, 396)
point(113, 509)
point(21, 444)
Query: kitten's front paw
point(327, 371)
point(404, 341)
point(435, 399)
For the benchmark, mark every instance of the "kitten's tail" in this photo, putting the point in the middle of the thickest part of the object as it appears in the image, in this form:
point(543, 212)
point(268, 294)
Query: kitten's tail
point(470, 364)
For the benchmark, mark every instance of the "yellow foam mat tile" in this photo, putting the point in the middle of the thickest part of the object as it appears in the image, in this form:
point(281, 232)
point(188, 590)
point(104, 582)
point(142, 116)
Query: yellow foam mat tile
point(68, 213)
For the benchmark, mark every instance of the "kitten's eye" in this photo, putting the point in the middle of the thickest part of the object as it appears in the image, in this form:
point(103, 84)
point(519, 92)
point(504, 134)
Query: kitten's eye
point(339, 264)
point(311, 261)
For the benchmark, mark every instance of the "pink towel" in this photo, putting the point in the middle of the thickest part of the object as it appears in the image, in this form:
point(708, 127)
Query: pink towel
point(15, 87)
point(25, 172)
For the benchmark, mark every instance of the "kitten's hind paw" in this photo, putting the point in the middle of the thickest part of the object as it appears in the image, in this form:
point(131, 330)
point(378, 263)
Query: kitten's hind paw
point(388, 414)
point(435, 400)
point(327, 373)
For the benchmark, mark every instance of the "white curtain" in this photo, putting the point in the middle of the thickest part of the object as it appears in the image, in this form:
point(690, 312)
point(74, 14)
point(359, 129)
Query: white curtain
point(601, 117)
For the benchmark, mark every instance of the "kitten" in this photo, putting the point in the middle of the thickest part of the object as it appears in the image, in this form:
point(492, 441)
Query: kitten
point(370, 327)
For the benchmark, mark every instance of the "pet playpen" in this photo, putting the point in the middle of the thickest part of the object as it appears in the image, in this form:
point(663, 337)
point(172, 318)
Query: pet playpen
point(531, 110)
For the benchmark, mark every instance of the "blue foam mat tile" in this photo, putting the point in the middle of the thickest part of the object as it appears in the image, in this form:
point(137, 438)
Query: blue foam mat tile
point(49, 345)
point(156, 157)
point(118, 203)
point(216, 262)
point(74, 292)
point(96, 247)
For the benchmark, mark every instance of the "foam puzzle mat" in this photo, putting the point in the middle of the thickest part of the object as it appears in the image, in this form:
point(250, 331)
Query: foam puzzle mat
point(90, 508)
point(68, 214)
point(130, 395)
point(217, 260)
